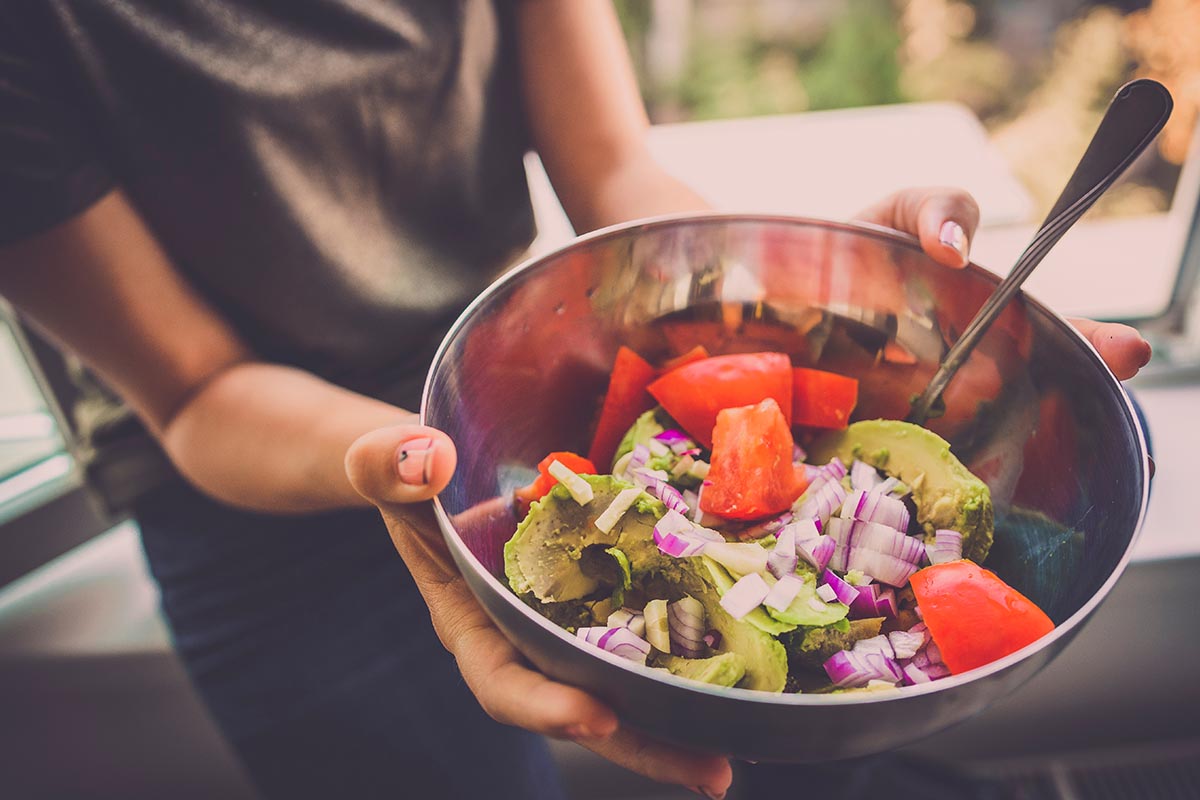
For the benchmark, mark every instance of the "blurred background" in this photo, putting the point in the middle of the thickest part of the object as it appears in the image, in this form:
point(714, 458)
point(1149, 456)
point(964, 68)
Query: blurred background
point(1037, 75)
point(819, 108)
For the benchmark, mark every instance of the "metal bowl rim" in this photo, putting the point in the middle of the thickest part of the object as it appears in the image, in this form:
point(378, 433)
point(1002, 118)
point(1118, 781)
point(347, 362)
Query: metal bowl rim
point(522, 270)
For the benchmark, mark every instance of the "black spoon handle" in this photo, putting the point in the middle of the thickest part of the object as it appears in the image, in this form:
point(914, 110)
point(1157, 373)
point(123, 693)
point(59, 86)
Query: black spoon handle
point(1136, 114)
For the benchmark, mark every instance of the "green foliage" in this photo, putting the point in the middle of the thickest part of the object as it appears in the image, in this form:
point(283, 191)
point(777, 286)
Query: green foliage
point(856, 63)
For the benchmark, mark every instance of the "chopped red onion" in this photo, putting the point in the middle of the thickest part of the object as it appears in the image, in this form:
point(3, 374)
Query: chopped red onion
point(906, 643)
point(679, 538)
point(617, 508)
point(656, 483)
point(880, 551)
point(658, 629)
point(676, 440)
point(590, 635)
point(843, 591)
point(685, 619)
point(817, 551)
point(657, 448)
point(682, 466)
point(625, 643)
point(914, 675)
point(863, 606)
point(876, 507)
point(784, 592)
point(836, 469)
point(885, 603)
point(887, 486)
point(947, 546)
point(848, 669)
point(745, 595)
point(639, 457)
point(933, 652)
point(863, 476)
point(618, 641)
point(581, 490)
point(798, 454)
point(886, 569)
point(876, 644)
point(624, 618)
point(783, 559)
point(691, 498)
point(741, 558)
point(821, 499)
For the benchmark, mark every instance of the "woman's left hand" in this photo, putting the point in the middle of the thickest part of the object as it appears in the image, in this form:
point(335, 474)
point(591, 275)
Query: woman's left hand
point(945, 220)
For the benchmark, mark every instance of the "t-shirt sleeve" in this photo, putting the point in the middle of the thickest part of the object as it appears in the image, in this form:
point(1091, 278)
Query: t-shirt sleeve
point(49, 169)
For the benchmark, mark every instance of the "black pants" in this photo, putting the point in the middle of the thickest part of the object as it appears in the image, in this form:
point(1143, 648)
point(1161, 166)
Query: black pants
point(313, 650)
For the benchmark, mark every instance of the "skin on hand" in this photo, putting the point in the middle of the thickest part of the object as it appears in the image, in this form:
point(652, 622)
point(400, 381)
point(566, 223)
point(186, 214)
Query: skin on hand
point(945, 220)
point(378, 464)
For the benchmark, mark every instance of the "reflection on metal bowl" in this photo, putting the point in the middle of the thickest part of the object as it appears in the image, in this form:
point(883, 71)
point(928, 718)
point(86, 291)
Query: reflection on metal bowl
point(1034, 412)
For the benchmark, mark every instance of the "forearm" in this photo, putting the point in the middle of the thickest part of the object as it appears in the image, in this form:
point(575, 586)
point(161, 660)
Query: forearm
point(636, 189)
point(587, 118)
point(273, 438)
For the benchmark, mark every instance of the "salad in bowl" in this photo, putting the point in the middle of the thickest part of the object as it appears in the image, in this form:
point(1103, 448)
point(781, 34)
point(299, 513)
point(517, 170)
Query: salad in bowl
point(699, 538)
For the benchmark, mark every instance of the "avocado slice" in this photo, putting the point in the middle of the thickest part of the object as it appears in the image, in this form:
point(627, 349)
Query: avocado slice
point(808, 609)
point(546, 556)
point(812, 647)
point(725, 669)
point(545, 562)
point(945, 492)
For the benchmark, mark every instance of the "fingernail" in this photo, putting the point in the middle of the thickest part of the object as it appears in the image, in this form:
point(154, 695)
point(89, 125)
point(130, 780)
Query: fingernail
point(1147, 354)
point(953, 235)
point(416, 456)
point(713, 794)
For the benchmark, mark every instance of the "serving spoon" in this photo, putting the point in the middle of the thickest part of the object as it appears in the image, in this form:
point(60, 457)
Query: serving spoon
point(1134, 117)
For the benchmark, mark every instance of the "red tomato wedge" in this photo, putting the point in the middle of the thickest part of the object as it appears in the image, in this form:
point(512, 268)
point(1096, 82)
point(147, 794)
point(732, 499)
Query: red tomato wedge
point(694, 393)
point(544, 482)
point(822, 399)
point(697, 353)
point(974, 617)
point(625, 401)
point(751, 475)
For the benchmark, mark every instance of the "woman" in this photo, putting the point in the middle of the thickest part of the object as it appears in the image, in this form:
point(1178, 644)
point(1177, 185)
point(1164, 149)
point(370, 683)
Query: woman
point(254, 221)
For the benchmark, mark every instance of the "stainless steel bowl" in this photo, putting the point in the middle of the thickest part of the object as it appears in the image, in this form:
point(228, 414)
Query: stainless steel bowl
point(1035, 413)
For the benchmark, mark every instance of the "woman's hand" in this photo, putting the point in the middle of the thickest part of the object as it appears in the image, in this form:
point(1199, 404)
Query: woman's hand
point(399, 469)
point(945, 219)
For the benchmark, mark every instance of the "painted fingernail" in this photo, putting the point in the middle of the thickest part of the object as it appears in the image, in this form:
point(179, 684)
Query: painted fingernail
point(1147, 354)
point(416, 456)
point(713, 794)
point(953, 235)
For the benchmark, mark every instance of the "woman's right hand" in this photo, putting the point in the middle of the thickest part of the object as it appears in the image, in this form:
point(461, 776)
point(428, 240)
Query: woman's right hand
point(400, 469)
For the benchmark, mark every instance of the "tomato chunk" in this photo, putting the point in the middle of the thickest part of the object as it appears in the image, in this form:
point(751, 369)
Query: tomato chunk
point(544, 482)
point(694, 393)
point(822, 399)
point(625, 401)
point(751, 474)
point(974, 617)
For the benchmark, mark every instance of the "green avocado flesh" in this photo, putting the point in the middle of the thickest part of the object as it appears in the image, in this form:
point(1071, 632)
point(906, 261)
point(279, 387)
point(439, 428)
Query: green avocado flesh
point(946, 494)
point(725, 669)
point(546, 561)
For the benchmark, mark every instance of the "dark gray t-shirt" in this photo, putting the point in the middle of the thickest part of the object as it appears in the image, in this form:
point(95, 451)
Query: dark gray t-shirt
point(337, 177)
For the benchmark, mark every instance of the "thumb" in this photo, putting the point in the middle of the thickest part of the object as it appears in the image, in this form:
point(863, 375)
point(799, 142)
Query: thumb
point(401, 464)
point(943, 218)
